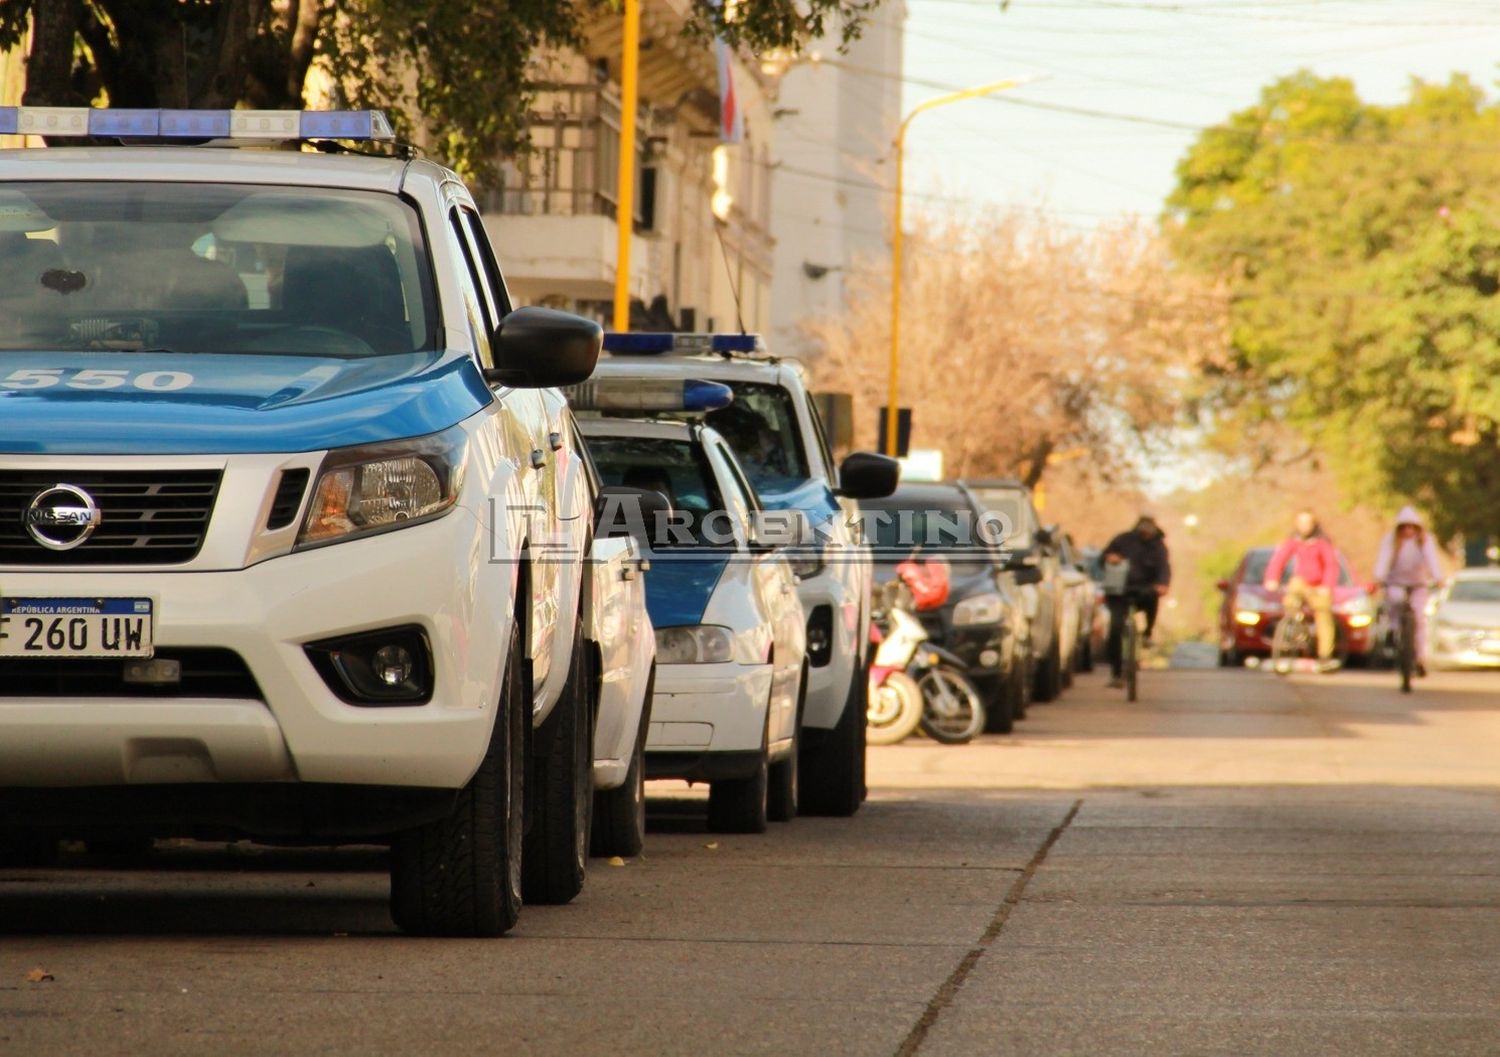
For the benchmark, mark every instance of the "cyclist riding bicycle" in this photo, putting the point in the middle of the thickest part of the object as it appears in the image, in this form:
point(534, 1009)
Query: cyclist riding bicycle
point(1149, 576)
point(1315, 573)
point(1406, 564)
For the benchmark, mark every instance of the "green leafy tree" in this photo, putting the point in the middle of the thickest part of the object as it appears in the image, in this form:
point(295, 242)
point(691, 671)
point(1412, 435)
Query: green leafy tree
point(457, 68)
point(1361, 248)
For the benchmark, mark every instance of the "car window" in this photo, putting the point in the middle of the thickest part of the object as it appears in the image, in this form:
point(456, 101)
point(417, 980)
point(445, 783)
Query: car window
point(477, 305)
point(1474, 591)
point(741, 500)
point(212, 268)
point(899, 526)
point(484, 256)
point(678, 469)
point(761, 427)
point(1010, 504)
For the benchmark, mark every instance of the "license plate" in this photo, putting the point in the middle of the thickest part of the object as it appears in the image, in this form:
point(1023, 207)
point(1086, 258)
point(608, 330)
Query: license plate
point(75, 627)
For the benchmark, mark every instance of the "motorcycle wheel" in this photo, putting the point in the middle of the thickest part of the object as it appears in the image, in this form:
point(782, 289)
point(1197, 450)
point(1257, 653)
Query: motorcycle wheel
point(895, 709)
point(952, 710)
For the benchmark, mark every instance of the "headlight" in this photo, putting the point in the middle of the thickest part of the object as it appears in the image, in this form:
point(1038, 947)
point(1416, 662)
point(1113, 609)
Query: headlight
point(377, 487)
point(697, 644)
point(979, 609)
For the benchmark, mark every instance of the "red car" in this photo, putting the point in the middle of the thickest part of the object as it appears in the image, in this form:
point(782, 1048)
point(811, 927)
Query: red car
point(1249, 613)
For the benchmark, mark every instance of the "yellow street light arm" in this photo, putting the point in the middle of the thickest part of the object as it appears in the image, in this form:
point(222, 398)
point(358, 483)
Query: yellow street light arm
point(896, 234)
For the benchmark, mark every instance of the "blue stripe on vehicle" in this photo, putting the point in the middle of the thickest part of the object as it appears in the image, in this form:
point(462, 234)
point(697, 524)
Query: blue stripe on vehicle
point(236, 404)
point(678, 588)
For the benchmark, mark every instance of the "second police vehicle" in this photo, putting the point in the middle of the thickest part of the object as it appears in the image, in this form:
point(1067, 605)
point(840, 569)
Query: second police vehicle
point(775, 432)
point(732, 666)
point(293, 532)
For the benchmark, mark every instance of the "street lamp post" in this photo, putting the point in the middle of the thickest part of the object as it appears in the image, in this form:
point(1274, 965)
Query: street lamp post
point(625, 193)
point(896, 239)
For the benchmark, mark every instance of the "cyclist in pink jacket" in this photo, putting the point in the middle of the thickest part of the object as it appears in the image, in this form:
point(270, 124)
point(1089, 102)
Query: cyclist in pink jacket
point(1315, 573)
point(1406, 565)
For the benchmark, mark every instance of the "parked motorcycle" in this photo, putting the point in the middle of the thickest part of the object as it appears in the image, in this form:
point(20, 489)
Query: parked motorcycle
point(895, 700)
point(952, 709)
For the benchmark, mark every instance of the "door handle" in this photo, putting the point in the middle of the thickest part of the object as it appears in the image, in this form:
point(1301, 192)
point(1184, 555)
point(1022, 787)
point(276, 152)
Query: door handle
point(555, 439)
point(538, 458)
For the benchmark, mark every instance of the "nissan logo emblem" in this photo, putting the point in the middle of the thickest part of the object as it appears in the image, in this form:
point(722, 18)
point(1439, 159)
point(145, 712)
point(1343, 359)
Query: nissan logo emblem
point(62, 517)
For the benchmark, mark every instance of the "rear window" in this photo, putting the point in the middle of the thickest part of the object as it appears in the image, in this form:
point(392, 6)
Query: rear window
point(212, 268)
point(677, 469)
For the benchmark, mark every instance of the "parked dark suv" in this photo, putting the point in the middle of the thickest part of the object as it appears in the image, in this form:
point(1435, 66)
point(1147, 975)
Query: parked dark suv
point(983, 621)
point(1033, 556)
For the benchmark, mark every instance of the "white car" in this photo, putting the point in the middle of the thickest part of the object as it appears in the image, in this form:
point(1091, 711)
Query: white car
point(286, 514)
point(774, 429)
point(1464, 626)
point(730, 644)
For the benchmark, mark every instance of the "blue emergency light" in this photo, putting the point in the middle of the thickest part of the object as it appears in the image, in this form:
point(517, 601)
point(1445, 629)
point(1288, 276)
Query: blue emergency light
point(279, 125)
point(649, 395)
point(654, 344)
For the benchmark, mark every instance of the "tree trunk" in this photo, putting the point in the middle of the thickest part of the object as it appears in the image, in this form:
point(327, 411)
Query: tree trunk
point(49, 67)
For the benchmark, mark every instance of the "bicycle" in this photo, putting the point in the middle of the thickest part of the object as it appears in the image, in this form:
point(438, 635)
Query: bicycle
point(1404, 630)
point(1130, 637)
point(1295, 639)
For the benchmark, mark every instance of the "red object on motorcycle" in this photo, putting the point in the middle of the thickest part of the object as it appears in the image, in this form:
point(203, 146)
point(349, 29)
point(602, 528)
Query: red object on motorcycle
point(928, 581)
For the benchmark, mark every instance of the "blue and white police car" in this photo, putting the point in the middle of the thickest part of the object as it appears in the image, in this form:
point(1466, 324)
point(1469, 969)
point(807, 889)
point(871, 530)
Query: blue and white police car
point(774, 430)
point(292, 539)
point(730, 640)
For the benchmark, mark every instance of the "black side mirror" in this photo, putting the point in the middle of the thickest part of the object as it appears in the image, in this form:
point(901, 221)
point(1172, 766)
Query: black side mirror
point(622, 511)
point(865, 475)
point(538, 348)
point(1028, 574)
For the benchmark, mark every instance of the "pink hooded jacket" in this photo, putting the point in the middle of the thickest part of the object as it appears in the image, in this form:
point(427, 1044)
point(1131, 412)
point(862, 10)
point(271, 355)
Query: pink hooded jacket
point(1418, 566)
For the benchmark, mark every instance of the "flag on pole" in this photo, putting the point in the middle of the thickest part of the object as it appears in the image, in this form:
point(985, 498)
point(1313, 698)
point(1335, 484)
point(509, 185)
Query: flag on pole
point(731, 120)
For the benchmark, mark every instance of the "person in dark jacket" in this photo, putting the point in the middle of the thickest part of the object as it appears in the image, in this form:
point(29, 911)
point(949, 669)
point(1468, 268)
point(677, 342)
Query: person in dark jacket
point(1149, 575)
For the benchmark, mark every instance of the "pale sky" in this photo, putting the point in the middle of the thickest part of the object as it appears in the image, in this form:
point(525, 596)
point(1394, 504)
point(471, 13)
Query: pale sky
point(1176, 61)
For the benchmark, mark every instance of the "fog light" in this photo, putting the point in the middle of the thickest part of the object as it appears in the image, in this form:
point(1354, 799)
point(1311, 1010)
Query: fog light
point(989, 658)
point(1360, 620)
point(392, 665)
point(1247, 617)
point(388, 667)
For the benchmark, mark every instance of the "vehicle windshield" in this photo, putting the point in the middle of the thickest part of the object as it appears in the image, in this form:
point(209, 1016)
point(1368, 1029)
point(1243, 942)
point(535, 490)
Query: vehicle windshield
point(761, 428)
point(899, 526)
point(1260, 560)
point(678, 469)
point(212, 268)
point(1009, 504)
point(1474, 591)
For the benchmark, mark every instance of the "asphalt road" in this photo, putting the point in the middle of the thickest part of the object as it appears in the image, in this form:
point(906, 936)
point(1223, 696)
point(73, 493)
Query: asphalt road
point(1238, 864)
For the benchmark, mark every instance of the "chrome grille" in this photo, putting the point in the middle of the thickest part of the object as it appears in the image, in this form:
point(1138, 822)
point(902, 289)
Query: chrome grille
point(147, 517)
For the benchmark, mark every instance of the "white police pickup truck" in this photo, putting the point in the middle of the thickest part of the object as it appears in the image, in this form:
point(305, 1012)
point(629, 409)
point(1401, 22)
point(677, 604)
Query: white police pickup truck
point(774, 430)
point(292, 540)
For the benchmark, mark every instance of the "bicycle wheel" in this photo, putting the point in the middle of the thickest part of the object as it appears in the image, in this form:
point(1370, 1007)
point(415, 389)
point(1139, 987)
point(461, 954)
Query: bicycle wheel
point(1406, 648)
point(1130, 649)
point(952, 711)
point(1290, 643)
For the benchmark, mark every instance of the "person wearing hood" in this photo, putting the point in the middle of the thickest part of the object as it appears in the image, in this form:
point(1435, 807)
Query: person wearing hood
point(1315, 573)
point(1406, 565)
point(1147, 578)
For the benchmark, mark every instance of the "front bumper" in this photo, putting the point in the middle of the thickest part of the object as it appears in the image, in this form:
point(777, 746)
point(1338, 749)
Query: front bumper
point(828, 685)
point(297, 730)
point(702, 712)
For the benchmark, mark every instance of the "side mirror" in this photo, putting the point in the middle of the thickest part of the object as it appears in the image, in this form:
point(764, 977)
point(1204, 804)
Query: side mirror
point(1222, 585)
point(538, 348)
point(622, 511)
point(865, 475)
point(1044, 536)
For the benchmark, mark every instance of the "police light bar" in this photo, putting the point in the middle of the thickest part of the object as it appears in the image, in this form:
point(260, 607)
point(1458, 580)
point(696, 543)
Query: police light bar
point(647, 395)
point(653, 344)
point(195, 124)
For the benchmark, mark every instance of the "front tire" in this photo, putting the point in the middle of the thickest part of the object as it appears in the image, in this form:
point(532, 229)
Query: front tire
point(1049, 676)
point(783, 797)
point(741, 805)
point(461, 875)
point(832, 774)
point(557, 842)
